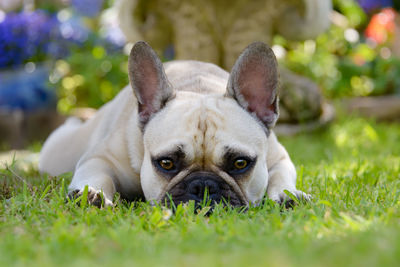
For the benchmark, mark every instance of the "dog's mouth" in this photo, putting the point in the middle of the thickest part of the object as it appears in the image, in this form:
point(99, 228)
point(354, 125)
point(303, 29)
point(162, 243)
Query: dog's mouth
point(204, 188)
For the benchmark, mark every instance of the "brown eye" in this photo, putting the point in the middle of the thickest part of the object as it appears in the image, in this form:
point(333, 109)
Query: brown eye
point(166, 164)
point(240, 164)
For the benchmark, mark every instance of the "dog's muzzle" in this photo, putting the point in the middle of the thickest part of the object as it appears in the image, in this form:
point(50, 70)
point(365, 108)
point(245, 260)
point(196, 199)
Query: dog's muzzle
point(203, 186)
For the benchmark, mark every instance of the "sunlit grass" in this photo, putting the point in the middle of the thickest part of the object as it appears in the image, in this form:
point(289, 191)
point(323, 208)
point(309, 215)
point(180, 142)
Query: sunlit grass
point(351, 169)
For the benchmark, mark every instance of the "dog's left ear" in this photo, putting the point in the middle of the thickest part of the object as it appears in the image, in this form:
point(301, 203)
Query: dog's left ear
point(148, 80)
point(253, 82)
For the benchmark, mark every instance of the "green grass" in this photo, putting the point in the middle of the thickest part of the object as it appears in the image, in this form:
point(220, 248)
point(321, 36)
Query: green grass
point(352, 169)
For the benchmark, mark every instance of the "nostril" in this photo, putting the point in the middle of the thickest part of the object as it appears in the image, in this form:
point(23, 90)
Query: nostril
point(212, 186)
point(196, 188)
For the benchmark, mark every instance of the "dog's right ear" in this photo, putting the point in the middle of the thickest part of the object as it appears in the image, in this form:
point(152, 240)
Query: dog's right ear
point(148, 80)
point(253, 83)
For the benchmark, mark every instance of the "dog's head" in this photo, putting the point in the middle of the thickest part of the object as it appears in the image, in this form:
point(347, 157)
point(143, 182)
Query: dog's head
point(197, 144)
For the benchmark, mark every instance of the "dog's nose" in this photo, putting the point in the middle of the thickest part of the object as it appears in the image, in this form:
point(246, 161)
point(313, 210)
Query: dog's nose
point(198, 187)
point(202, 185)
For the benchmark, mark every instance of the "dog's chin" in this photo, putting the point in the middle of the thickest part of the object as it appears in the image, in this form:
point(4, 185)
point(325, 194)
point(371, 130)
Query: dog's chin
point(203, 188)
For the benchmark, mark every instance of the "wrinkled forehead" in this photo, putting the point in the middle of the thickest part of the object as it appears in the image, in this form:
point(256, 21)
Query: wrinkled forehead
point(204, 126)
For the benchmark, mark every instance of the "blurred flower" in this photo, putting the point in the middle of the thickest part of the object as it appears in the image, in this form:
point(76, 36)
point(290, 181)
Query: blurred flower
point(88, 8)
point(74, 29)
point(26, 89)
point(381, 26)
point(351, 35)
point(370, 6)
point(166, 214)
point(37, 36)
point(110, 29)
point(25, 36)
point(279, 51)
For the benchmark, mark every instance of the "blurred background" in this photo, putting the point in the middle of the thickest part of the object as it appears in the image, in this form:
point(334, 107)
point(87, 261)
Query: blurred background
point(69, 57)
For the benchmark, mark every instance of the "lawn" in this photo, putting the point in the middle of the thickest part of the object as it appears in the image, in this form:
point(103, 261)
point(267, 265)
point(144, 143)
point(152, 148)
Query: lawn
point(352, 169)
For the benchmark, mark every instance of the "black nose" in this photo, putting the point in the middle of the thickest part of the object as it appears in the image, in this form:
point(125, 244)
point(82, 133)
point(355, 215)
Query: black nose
point(202, 185)
point(197, 188)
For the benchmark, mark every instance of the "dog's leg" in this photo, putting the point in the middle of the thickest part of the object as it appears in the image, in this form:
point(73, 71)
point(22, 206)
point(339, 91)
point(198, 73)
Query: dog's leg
point(98, 175)
point(62, 149)
point(282, 174)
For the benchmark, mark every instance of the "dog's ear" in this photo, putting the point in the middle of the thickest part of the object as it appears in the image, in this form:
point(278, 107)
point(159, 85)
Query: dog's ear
point(148, 80)
point(253, 82)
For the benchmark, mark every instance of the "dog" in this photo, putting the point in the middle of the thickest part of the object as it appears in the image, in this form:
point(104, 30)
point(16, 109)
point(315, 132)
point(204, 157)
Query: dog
point(181, 130)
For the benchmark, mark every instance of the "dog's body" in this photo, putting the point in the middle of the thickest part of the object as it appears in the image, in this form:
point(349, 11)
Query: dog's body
point(190, 120)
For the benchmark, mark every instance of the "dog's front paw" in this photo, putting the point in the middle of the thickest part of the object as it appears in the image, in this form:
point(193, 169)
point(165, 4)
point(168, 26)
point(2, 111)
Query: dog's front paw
point(94, 197)
point(287, 199)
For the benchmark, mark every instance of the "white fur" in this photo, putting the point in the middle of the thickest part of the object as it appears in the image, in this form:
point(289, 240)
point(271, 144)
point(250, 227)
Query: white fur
point(110, 153)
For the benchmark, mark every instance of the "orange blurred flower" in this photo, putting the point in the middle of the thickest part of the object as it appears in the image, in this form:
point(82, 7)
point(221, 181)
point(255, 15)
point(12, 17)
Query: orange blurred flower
point(381, 27)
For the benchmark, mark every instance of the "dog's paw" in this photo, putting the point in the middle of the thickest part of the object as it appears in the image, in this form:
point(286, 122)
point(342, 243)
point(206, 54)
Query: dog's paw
point(94, 197)
point(287, 199)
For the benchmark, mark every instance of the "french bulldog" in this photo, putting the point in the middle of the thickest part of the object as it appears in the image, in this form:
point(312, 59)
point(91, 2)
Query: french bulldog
point(181, 130)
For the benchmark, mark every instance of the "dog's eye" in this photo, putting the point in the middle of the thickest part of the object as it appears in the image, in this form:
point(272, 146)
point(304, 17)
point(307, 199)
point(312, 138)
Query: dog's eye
point(237, 164)
point(240, 164)
point(166, 164)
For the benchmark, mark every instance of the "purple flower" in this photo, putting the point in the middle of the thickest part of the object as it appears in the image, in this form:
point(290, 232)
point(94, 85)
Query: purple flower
point(39, 36)
point(74, 29)
point(115, 36)
point(88, 8)
point(25, 36)
point(372, 5)
point(36, 36)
